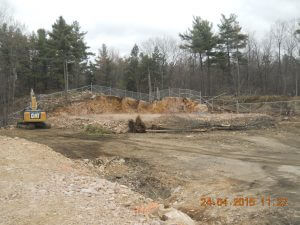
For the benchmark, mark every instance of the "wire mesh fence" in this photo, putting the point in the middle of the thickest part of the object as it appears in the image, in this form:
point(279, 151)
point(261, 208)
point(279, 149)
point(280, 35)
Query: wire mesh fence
point(272, 108)
point(155, 95)
point(213, 102)
point(287, 108)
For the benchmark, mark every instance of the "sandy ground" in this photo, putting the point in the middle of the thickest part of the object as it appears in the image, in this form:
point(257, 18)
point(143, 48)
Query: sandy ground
point(40, 186)
point(184, 170)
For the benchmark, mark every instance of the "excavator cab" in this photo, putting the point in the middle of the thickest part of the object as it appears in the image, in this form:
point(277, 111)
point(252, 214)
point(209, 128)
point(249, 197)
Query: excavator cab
point(32, 116)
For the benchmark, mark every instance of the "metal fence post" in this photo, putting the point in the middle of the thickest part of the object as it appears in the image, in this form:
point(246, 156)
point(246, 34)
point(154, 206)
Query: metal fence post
point(280, 109)
point(157, 93)
point(200, 98)
point(169, 92)
point(92, 87)
point(237, 106)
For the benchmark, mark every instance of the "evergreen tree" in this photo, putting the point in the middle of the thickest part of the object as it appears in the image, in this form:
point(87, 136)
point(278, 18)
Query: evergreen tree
point(104, 67)
point(40, 59)
point(60, 45)
point(79, 53)
point(68, 51)
point(155, 68)
point(145, 73)
point(231, 41)
point(131, 78)
point(201, 40)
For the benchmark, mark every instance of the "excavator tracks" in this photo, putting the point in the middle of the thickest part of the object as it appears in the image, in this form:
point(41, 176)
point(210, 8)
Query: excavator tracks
point(32, 126)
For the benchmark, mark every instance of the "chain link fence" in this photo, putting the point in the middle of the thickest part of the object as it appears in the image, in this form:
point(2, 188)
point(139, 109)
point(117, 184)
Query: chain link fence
point(215, 104)
point(156, 95)
point(280, 108)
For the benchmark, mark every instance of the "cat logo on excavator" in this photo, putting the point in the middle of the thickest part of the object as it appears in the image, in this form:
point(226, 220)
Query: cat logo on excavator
point(32, 116)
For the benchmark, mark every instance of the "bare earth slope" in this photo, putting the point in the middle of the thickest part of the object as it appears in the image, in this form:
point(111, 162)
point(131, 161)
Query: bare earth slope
point(40, 186)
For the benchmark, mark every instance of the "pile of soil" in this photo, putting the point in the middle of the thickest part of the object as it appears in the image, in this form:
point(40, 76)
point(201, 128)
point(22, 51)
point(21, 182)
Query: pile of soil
point(177, 105)
point(112, 104)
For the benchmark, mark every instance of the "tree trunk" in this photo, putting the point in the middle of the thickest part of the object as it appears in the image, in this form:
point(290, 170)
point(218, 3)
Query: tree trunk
point(228, 62)
point(238, 74)
point(209, 76)
point(201, 73)
point(296, 79)
point(149, 84)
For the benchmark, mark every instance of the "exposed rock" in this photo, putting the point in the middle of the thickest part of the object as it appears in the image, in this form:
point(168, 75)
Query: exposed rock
point(174, 216)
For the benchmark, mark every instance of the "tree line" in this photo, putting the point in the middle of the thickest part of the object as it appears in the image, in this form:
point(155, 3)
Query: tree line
point(224, 61)
point(227, 61)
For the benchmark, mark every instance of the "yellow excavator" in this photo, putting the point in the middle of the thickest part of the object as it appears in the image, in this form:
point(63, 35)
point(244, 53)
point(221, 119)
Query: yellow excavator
point(33, 117)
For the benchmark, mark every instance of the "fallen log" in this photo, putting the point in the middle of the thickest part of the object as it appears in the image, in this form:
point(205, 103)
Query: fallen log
point(177, 131)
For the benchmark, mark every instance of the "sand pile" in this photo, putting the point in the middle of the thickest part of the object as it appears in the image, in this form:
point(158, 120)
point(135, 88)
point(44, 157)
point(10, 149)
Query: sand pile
point(111, 104)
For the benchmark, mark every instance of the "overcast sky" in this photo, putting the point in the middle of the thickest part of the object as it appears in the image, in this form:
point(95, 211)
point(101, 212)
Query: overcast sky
point(121, 23)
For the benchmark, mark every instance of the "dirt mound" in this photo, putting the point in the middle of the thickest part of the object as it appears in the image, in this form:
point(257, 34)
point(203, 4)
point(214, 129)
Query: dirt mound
point(177, 105)
point(111, 104)
point(129, 105)
point(144, 107)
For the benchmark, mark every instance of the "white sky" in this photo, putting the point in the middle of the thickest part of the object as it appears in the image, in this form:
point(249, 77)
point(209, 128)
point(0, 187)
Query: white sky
point(121, 23)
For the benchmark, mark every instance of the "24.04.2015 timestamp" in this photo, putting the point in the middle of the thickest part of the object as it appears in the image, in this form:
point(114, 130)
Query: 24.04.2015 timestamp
point(244, 201)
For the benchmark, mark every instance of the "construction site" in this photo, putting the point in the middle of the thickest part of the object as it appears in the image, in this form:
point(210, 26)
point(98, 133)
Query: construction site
point(118, 157)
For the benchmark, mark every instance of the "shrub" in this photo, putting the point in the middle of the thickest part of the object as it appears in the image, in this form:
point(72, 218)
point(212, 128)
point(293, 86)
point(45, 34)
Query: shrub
point(94, 129)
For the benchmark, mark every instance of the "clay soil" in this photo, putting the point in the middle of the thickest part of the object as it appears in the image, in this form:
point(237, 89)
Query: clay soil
point(179, 169)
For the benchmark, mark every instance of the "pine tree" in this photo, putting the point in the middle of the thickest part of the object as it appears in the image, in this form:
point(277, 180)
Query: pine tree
point(79, 53)
point(104, 67)
point(68, 52)
point(131, 76)
point(39, 59)
point(231, 41)
point(202, 41)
